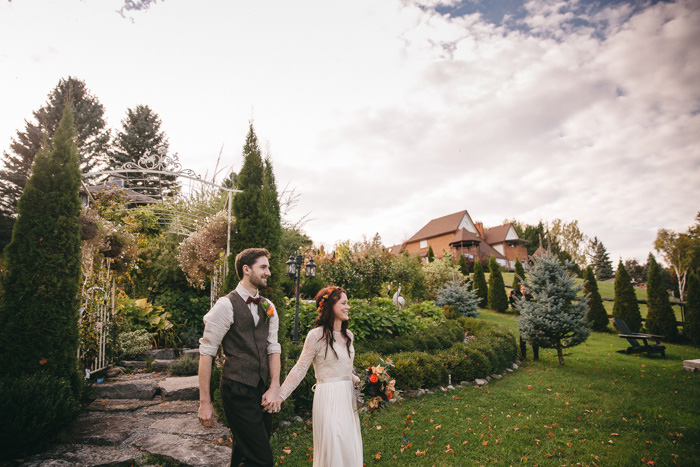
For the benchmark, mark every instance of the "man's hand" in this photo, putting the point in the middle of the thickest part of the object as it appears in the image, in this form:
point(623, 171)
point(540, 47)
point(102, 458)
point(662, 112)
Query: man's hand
point(206, 413)
point(271, 399)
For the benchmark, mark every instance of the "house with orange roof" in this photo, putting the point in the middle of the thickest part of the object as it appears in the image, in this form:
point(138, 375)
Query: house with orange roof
point(460, 235)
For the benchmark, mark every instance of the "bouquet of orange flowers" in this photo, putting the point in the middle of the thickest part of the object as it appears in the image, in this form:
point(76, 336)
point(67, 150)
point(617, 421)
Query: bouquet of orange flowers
point(377, 387)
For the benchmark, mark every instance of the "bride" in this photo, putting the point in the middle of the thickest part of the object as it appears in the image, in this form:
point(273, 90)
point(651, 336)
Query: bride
point(336, 426)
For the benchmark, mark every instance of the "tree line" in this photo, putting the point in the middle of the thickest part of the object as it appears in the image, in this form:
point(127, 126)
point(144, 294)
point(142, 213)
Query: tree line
point(98, 149)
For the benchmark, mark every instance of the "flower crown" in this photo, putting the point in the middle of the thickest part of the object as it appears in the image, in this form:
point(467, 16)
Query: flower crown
point(325, 296)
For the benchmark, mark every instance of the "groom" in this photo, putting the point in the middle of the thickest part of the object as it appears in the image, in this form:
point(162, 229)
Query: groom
point(246, 325)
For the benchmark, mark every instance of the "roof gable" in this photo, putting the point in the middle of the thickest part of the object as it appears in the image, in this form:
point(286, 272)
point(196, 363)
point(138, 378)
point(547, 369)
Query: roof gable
point(446, 224)
point(500, 234)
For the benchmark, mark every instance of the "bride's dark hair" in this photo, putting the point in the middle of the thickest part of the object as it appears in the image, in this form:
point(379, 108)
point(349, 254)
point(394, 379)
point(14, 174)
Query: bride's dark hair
point(326, 299)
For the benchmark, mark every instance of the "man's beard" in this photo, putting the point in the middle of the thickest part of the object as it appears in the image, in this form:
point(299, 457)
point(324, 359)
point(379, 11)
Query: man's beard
point(258, 281)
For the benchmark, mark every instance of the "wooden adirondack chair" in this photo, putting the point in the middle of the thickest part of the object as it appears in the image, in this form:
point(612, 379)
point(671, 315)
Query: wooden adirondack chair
point(634, 337)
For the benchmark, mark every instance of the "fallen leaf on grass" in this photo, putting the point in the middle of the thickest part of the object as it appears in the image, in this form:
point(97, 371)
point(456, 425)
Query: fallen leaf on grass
point(420, 453)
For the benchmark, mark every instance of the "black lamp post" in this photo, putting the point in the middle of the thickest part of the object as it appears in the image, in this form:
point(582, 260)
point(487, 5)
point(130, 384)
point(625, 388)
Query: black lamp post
point(294, 263)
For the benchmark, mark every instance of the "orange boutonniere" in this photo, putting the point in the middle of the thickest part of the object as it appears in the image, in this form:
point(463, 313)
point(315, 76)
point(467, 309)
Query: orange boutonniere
point(268, 308)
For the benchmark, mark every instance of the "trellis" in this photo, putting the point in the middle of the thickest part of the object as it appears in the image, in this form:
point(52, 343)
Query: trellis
point(148, 182)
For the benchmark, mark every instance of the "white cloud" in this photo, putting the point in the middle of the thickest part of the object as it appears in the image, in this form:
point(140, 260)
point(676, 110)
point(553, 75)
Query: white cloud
point(385, 115)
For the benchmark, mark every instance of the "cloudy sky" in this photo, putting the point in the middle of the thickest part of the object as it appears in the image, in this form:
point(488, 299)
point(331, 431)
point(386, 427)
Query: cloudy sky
point(384, 114)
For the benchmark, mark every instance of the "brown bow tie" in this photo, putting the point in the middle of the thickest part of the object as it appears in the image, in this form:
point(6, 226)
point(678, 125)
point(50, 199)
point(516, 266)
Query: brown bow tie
point(252, 300)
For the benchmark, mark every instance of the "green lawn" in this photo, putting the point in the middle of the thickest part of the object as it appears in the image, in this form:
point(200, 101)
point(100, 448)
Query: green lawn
point(602, 408)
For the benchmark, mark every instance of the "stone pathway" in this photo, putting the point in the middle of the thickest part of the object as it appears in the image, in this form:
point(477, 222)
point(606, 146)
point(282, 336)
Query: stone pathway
point(136, 415)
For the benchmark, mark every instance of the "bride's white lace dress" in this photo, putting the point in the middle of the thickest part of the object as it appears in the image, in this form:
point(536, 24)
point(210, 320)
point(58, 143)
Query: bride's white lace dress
point(337, 435)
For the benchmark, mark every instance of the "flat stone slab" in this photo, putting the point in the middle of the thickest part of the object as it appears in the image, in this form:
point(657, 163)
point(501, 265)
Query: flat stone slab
point(480, 382)
point(691, 365)
point(180, 388)
point(178, 407)
point(141, 389)
point(118, 405)
point(189, 452)
point(103, 431)
point(189, 426)
point(92, 456)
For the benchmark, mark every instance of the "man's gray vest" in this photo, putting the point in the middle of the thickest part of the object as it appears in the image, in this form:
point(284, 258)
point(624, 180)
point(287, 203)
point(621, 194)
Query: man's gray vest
point(245, 345)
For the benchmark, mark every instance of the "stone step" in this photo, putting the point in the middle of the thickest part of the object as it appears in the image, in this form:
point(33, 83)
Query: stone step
point(691, 365)
point(140, 389)
point(187, 451)
point(180, 388)
point(145, 388)
point(156, 365)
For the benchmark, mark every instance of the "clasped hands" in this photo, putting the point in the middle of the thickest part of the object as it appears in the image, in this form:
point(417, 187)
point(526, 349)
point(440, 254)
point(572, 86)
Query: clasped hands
point(271, 400)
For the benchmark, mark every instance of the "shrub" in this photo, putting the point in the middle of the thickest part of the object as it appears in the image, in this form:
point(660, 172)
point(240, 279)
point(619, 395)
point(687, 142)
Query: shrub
point(457, 294)
point(187, 365)
point(39, 309)
point(440, 272)
point(497, 298)
point(427, 310)
point(408, 372)
point(519, 274)
point(479, 283)
point(437, 337)
point(597, 316)
point(692, 312)
point(492, 351)
point(302, 399)
point(33, 410)
point(187, 307)
point(660, 317)
point(626, 307)
point(132, 343)
point(407, 270)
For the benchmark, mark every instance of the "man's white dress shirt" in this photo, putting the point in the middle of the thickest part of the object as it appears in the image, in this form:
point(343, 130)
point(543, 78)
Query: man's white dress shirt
point(220, 318)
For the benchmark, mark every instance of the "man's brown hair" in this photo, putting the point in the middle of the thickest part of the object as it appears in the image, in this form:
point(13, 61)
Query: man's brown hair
point(248, 257)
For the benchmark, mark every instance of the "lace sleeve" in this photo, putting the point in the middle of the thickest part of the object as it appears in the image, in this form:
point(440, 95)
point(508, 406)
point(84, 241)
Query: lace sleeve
point(297, 374)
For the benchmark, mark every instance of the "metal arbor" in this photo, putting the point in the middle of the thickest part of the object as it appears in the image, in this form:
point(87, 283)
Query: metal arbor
point(172, 192)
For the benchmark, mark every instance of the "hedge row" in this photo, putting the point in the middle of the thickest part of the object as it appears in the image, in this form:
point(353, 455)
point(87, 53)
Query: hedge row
point(442, 336)
point(492, 351)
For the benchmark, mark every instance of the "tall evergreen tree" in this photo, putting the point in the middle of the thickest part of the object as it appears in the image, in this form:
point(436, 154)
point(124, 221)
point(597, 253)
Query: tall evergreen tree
point(519, 274)
point(602, 266)
point(692, 309)
point(142, 139)
point(497, 297)
point(91, 135)
point(626, 306)
point(39, 311)
point(479, 284)
point(660, 316)
point(554, 318)
point(431, 254)
point(257, 214)
point(597, 316)
point(463, 266)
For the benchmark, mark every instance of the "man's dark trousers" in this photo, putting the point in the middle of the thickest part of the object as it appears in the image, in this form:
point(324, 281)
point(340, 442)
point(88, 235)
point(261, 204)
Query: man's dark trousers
point(249, 424)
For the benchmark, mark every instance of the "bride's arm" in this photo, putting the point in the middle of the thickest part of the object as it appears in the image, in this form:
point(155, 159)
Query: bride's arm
point(297, 374)
point(355, 378)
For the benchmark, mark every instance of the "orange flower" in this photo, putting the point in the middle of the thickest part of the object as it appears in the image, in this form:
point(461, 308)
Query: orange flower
point(391, 394)
point(373, 378)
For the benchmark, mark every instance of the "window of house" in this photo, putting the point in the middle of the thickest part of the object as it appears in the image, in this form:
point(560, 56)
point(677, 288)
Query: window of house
point(424, 243)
